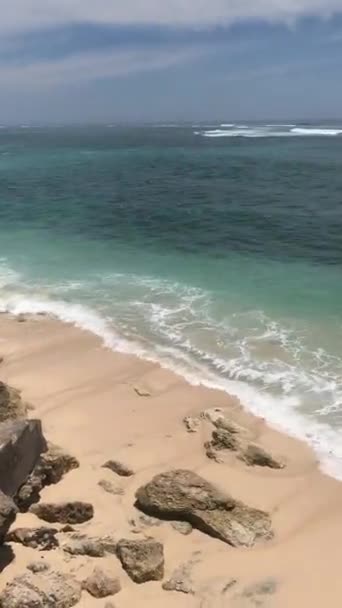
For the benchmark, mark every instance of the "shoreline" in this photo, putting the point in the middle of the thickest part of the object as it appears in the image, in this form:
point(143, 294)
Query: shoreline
point(98, 404)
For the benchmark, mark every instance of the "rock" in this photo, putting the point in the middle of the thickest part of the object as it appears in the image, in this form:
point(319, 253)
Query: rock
point(65, 512)
point(119, 468)
point(224, 440)
point(12, 406)
point(141, 522)
point(50, 469)
point(100, 584)
point(255, 455)
point(181, 579)
point(143, 560)
point(8, 512)
point(21, 443)
point(21, 318)
point(37, 567)
point(213, 414)
point(186, 496)
point(183, 527)
point(192, 424)
point(81, 544)
point(43, 539)
point(111, 488)
point(211, 453)
point(227, 425)
point(42, 590)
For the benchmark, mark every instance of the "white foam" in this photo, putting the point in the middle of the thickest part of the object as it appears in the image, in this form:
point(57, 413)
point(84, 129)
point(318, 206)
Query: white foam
point(316, 132)
point(269, 131)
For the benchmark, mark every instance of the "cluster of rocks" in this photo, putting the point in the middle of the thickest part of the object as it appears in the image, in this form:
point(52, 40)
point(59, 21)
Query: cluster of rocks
point(230, 437)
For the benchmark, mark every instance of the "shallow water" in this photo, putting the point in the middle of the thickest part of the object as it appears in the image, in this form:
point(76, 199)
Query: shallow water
point(218, 256)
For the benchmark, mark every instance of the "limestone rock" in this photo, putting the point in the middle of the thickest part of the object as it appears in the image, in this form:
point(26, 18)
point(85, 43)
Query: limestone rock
point(43, 538)
point(183, 527)
point(21, 443)
point(101, 584)
point(143, 560)
point(224, 440)
point(211, 453)
point(213, 414)
point(41, 590)
point(37, 567)
point(8, 512)
point(228, 425)
point(65, 512)
point(192, 424)
point(111, 488)
point(50, 469)
point(186, 496)
point(12, 406)
point(255, 455)
point(80, 544)
point(119, 468)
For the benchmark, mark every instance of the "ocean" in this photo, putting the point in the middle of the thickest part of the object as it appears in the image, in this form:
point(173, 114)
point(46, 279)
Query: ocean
point(214, 249)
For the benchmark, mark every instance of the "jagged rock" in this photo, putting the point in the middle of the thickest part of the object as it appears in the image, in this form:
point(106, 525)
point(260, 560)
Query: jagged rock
point(37, 567)
point(255, 455)
point(50, 469)
point(224, 440)
point(42, 590)
point(227, 425)
point(119, 468)
point(183, 527)
point(65, 512)
point(186, 496)
point(143, 560)
point(100, 584)
point(12, 406)
point(21, 443)
point(192, 424)
point(211, 453)
point(80, 544)
point(43, 538)
point(111, 488)
point(8, 512)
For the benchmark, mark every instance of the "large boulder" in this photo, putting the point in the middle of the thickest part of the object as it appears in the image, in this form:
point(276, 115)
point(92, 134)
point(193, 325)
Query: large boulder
point(21, 444)
point(143, 560)
point(12, 406)
point(41, 590)
point(8, 513)
point(76, 512)
point(184, 495)
point(50, 468)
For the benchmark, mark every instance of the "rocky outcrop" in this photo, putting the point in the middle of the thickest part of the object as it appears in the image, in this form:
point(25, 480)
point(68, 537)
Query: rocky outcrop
point(119, 468)
point(43, 538)
point(101, 584)
point(143, 560)
point(65, 512)
point(184, 495)
point(50, 469)
point(21, 444)
point(12, 406)
point(81, 544)
point(8, 512)
point(254, 455)
point(41, 590)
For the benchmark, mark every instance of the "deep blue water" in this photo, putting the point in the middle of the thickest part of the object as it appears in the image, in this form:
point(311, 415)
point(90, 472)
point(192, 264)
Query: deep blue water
point(215, 250)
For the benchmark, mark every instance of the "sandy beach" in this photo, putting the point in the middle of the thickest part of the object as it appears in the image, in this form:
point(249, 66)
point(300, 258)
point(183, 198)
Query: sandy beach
point(99, 405)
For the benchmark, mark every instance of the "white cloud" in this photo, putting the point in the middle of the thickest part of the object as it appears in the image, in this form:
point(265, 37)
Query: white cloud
point(22, 14)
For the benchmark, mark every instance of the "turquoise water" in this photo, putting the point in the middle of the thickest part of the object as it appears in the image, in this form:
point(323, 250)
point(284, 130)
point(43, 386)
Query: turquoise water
point(215, 250)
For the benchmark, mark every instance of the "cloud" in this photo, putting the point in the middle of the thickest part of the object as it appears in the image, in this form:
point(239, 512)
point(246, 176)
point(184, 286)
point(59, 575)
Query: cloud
point(19, 15)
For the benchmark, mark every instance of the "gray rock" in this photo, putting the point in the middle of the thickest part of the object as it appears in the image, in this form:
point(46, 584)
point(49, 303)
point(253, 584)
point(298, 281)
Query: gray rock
point(212, 414)
point(100, 584)
point(76, 512)
point(143, 560)
point(42, 590)
point(21, 444)
point(50, 469)
point(37, 567)
point(12, 406)
point(186, 496)
point(119, 468)
point(192, 424)
point(255, 455)
point(8, 512)
point(224, 440)
point(111, 488)
point(80, 544)
point(183, 527)
point(43, 538)
point(211, 453)
point(227, 425)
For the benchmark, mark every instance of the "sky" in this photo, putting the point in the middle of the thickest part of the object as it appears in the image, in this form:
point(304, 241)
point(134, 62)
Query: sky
point(67, 61)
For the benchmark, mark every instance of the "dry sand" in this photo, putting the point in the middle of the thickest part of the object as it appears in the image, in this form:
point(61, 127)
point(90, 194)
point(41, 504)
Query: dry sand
point(88, 399)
